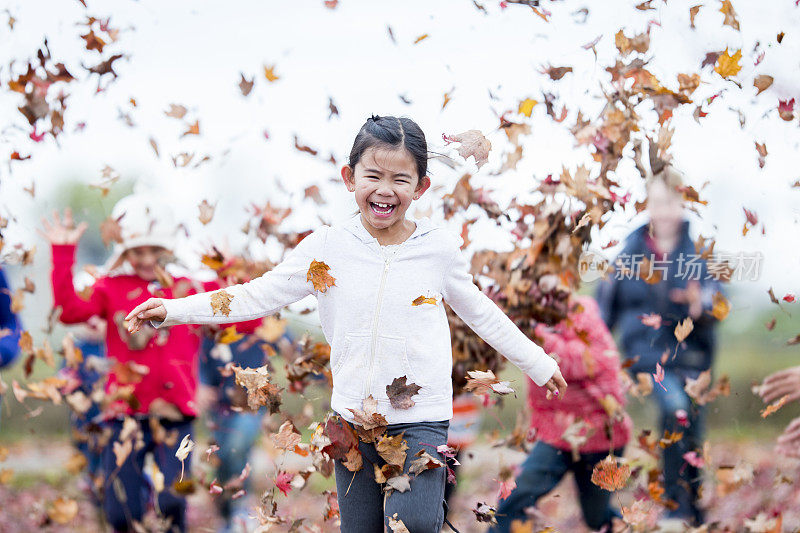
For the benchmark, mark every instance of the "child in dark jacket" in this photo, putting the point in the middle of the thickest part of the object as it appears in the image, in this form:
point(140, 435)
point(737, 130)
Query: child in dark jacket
point(593, 411)
point(152, 383)
point(10, 327)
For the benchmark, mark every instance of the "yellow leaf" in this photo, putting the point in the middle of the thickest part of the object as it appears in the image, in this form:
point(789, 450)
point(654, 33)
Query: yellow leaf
point(230, 335)
point(269, 73)
point(730, 14)
point(421, 38)
point(526, 107)
point(721, 306)
point(419, 300)
point(728, 65)
point(62, 510)
point(318, 275)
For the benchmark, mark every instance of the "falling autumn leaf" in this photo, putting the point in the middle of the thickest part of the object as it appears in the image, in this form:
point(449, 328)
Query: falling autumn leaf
point(194, 129)
point(318, 275)
point(259, 389)
point(62, 510)
point(730, 14)
point(269, 73)
point(206, 212)
point(728, 65)
point(774, 406)
point(184, 449)
point(287, 437)
point(762, 82)
point(611, 473)
point(245, 85)
point(368, 416)
point(400, 393)
point(684, 328)
point(526, 107)
point(473, 143)
point(421, 38)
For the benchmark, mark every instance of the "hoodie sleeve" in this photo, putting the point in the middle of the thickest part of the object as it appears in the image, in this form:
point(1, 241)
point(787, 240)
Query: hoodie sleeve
point(486, 319)
point(263, 296)
point(74, 309)
point(9, 344)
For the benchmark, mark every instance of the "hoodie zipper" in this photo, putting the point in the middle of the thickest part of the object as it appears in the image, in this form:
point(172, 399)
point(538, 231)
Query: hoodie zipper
point(374, 345)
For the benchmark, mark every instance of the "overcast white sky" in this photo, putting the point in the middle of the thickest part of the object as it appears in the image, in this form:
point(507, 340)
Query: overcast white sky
point(192, 53)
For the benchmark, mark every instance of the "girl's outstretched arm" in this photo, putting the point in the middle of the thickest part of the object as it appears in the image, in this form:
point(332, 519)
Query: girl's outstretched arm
point(486, 319)
point(263, 296)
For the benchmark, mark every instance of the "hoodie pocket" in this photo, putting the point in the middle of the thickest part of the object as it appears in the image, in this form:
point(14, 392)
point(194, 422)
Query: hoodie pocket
point(391, 361)
point(352, 369)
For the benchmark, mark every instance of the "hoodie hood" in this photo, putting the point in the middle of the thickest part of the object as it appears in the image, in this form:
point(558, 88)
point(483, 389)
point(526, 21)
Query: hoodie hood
point(355, 226)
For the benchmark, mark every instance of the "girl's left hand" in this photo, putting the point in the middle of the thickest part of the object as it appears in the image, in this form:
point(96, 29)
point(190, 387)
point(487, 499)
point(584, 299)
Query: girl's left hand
point(556, 386)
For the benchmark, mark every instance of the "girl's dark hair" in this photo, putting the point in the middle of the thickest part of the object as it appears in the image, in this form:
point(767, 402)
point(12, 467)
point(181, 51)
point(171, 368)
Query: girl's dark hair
point(391, 132)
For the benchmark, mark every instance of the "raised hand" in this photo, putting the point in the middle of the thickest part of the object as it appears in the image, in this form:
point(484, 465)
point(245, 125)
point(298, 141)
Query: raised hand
point(781, 383)
point(789, 441)
point(152, 309)
point(62, 231)
point(556, 387)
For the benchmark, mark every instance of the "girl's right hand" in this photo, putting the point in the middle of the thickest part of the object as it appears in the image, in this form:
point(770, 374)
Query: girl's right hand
point(557, 386)
point(62, 232)
point(152, 309)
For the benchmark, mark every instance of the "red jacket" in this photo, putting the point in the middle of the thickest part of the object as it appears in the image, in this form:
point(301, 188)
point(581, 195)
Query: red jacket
point(171, 356)
point(590, 364)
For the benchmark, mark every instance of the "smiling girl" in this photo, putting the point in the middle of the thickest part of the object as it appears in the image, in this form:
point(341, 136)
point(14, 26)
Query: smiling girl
point(382, 263)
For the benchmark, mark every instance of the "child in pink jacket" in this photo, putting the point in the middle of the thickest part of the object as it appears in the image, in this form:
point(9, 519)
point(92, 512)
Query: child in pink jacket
point(593, 411)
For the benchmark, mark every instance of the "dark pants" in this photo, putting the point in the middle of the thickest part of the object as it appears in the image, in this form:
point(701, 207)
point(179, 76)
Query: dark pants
point(361, 499)
point(127, 491)
point(681, 480)
point(540, 473)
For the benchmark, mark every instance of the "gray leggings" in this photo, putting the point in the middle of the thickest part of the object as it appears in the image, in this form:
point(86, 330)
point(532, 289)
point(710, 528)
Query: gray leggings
point(361, 499)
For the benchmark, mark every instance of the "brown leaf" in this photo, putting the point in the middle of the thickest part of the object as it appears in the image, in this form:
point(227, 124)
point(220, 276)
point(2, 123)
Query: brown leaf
point(220, 303)
point(206, 212)
point(473, 143)
point(194, 129)
point(176, 111)
point(62, 510)
point(730, 14)
point(692, 14)
point(259, 390)
point(424, 461)
point(318, 275)
point(684, 328)
point(762, 82)
point(353, 460)
point(246, 85)
point(392, 450)
point(287, 436)
point(400, 393)
point(368, 416)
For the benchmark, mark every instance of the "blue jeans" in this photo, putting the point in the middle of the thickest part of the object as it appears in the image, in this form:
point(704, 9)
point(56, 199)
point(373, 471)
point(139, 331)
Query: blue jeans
point(681, 480)
point(361, 499)
point(127, 491)
point(235, 434)
point(540, 473)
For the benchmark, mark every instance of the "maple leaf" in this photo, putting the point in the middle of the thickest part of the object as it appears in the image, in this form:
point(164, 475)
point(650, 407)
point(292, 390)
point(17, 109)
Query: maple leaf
point(176, 111)
point(229, 335)
point(611, 473)
point(283, 481)
point(392, 449)
point(728, 65)
point(526, 107)
point(353, 460)
point(473, 143)
point(319, 277)
point(269, 73)
point(400, 393)
point(194, 129)
point(287, 436)
point(368, 417)
point(424, 461)
point(259, 390)
point(721, 306)
point(220, 303)
point(341, 436)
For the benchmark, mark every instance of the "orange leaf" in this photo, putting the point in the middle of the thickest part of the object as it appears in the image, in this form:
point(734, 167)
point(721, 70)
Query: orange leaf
point(774, 406)
point(318, 275)
point(419, 300)
point(611, 474)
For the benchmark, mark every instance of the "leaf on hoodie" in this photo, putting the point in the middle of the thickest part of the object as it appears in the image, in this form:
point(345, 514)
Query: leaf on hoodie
point(774, 406)
point(400, 393)
point(368, 416)
point(259, 390)
point(480, 381)
point(611, 473)
point(419, 300)
point(220, 303)
point(319, 277)
point(473, 143)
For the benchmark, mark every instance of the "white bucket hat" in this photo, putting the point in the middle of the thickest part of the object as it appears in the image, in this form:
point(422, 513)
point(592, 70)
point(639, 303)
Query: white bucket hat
point(144, 221)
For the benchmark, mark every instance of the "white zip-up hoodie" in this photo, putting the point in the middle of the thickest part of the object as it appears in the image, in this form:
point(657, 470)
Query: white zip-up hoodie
point(375, 333)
